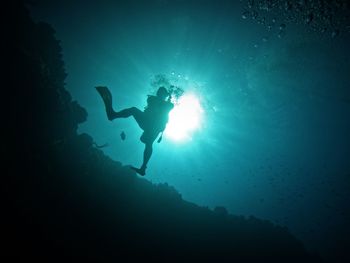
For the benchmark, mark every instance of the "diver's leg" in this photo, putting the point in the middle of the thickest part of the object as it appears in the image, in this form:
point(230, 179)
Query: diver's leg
point(106, 96)
point(133, 111)
point(147, 138)
point(146, 156)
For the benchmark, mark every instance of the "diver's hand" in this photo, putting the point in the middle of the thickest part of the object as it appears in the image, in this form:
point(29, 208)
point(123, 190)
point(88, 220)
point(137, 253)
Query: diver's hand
point(160, 139)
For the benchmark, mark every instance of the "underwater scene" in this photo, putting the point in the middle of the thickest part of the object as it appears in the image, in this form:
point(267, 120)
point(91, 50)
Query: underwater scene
point(177, 131)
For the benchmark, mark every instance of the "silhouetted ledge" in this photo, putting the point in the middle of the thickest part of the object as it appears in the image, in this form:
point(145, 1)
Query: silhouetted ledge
point(66, 201)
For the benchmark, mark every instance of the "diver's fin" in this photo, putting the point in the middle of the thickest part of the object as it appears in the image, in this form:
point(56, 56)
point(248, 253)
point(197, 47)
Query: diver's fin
point(141, 172)
point(106, 96)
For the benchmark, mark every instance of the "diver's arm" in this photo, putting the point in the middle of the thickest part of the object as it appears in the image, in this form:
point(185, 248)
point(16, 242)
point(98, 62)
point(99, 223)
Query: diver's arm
point(170, 104)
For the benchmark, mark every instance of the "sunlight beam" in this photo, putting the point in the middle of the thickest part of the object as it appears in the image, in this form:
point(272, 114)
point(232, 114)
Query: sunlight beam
point(185, 118)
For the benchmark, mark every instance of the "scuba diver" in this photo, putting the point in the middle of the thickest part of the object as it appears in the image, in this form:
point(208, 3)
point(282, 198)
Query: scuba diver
point(152, 120)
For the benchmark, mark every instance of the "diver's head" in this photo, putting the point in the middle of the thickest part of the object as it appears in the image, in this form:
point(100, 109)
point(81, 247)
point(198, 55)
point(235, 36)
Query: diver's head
point(162, 93)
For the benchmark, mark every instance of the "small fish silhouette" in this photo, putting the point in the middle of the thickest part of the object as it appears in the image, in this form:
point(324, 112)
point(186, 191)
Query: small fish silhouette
point(122, 135)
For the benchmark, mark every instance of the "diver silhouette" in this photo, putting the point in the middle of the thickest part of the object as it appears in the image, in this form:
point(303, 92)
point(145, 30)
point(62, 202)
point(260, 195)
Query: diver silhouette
point(152, 120)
